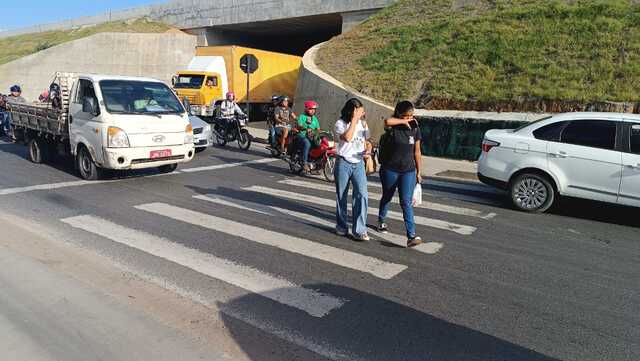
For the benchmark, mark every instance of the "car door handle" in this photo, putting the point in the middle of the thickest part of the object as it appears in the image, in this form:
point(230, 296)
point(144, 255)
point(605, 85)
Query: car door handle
point(560, 154)
point(632, 166)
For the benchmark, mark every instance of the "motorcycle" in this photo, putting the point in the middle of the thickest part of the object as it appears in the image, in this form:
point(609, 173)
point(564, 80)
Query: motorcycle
point(234, 129)
point(274, 144)
point(321, 158)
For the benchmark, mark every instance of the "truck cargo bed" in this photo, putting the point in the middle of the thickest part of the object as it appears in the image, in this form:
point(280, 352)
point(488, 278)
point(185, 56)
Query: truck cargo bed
point(41, 118)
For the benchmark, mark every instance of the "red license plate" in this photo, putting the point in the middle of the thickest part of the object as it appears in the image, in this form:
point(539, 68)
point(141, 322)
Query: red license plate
point(165, 153)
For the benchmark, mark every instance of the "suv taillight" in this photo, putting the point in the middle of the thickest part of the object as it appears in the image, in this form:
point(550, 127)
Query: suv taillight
point(487, 145)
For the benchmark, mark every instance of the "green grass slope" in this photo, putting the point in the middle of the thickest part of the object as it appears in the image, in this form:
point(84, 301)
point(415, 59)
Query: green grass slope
point(518, 55)
point(16, 47)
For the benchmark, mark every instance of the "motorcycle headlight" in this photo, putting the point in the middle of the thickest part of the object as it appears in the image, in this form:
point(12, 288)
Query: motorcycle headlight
point(117, 138)
point(188, 136)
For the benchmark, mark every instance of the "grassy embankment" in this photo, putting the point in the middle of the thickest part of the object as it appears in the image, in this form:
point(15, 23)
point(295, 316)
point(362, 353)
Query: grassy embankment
point(16, 47)
point(518, 55)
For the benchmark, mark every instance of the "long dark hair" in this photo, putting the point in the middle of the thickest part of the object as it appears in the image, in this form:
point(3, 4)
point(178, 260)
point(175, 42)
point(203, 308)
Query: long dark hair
point(402, 108)
point(349, 108)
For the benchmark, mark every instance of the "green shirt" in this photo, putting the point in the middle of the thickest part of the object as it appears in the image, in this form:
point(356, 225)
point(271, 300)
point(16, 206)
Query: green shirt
point(304, 124)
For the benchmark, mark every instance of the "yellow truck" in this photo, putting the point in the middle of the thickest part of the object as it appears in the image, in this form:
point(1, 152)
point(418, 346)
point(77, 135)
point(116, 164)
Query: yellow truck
point(216, 70)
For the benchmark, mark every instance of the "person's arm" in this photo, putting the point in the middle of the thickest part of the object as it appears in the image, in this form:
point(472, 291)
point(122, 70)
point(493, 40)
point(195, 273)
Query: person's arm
point(238, 109)
point(418, 158)
point(357, 115)
point(391, 122)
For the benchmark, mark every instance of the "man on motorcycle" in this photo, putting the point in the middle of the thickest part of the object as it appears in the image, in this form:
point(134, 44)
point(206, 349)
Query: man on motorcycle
point(309, 127)
point(283, 117)
point(228, 108)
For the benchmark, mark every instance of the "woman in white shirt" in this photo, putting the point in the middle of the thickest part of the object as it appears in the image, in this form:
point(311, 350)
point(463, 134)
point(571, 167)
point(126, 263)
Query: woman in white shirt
point(350, 169)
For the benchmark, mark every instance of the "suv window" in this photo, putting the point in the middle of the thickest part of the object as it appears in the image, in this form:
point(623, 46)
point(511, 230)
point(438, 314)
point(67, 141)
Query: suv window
point(550, 132)
point(635, 138)
point(591, 133)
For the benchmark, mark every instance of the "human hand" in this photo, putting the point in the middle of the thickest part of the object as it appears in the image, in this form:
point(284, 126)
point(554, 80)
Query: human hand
point(358, 114)
point(418, 178)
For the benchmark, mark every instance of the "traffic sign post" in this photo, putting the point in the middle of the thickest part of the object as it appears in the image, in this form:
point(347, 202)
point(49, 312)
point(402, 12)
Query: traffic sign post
point(249, 64)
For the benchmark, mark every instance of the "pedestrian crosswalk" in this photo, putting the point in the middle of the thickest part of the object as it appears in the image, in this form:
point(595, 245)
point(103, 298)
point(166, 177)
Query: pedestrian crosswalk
point(318, 197)
point(330, 202)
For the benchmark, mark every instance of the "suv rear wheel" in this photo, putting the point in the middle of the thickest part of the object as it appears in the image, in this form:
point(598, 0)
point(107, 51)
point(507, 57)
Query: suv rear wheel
point(531, 192)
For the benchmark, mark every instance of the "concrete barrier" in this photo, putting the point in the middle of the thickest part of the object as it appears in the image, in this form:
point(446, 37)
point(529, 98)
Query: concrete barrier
point(152, 55)
point(449, 134)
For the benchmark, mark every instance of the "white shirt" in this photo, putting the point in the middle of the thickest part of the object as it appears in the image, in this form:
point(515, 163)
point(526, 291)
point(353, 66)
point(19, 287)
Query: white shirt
point(352, 151)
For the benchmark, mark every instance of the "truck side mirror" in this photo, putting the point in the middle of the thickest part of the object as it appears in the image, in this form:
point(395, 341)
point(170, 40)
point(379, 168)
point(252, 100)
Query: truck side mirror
point(90, 105)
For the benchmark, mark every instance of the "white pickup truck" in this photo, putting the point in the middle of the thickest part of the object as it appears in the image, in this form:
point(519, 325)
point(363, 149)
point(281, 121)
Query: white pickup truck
point(107, 122)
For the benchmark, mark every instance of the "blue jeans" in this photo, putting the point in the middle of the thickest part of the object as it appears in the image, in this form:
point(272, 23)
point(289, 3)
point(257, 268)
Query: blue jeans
point(306, 148)
point(406, 184)
point(5, 122)
point(351, 173)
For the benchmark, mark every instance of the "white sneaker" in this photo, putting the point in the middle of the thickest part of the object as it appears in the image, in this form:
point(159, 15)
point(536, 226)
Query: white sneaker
point(361, 237)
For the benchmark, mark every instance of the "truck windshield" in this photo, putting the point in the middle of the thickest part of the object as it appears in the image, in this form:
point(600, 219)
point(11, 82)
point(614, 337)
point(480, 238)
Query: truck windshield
point(189, 81)
point(139, 97)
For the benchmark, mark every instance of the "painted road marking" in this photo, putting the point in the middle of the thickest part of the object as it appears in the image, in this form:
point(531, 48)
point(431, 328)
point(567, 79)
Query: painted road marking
point(398, 240)
point(347, 259)
point(314, 303)
point(425, 205)
point(60, 185)
point(228, 165)
point(429, 222)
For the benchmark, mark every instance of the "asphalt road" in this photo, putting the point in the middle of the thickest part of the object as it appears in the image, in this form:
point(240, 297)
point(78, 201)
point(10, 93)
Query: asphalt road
point(233, 234)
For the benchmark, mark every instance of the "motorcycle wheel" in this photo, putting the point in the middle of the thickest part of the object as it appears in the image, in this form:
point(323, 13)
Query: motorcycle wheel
point(275, 152)
point(221, 139)
point(295, 164)
point(329, 168)
point(244, 139)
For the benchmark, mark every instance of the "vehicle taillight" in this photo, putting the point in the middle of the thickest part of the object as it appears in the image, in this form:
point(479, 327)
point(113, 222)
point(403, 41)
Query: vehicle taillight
point(487, 145)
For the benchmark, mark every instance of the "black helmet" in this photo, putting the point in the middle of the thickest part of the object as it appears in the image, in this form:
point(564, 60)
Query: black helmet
point(16, 89)
point(275, 98)
point(283, 98)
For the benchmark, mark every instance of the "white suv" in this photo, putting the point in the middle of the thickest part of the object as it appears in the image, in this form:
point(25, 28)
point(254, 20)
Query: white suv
point(586, 155)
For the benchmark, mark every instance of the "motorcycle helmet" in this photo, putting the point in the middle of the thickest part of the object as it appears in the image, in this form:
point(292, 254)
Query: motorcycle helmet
point(16, 89)
point(310, 105)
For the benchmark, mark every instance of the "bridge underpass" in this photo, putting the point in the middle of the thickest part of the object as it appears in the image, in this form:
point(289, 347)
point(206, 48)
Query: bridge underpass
point(292, 35)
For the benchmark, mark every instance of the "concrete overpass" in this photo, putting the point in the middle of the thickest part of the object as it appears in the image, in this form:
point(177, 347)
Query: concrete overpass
point(282, 25)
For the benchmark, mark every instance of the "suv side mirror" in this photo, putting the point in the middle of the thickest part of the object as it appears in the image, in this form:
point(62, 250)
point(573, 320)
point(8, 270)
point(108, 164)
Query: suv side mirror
point(174, 80)
point(90, 105)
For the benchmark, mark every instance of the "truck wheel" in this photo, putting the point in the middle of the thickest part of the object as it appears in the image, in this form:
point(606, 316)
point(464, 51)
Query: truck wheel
point(168, 168)
point(37, 151)
point(86, 166)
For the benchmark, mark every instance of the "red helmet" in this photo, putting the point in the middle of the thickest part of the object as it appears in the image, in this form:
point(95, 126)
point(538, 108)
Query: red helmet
point(231, 95)
point(310, 105)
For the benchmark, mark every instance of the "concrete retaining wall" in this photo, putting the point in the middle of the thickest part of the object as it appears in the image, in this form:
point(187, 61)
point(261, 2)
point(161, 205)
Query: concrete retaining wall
point(450, 134)
point(153, 55)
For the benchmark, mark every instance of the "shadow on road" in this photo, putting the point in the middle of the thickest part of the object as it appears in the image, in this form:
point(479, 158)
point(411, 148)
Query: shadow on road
point(366, 327)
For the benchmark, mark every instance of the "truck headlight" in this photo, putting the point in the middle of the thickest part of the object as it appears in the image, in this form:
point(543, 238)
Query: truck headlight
point(188, 136)
point(117, 138)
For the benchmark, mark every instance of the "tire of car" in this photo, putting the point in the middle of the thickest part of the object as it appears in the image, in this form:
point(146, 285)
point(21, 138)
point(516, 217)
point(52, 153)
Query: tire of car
point(86, 166)
point(37, 151)
point(169, 168)
point(531, 192)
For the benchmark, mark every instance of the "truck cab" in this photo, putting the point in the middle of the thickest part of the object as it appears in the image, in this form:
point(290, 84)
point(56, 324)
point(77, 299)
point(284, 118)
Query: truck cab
point(200, 88)
point(126, 123)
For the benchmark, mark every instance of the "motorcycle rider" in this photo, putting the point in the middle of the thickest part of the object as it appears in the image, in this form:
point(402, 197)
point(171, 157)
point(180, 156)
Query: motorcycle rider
point(271, 118)
point(309, 127)
point(228, 109)
point(5, 116)
point(283, 117)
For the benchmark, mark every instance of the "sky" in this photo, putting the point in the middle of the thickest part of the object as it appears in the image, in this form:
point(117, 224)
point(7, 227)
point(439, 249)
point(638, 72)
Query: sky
point(33, 12)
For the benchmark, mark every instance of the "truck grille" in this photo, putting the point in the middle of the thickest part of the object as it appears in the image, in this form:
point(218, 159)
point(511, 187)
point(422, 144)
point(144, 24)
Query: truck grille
point(154, 160)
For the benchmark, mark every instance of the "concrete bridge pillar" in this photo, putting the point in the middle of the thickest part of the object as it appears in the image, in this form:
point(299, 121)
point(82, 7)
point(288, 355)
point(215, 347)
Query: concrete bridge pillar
point(354, 18)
